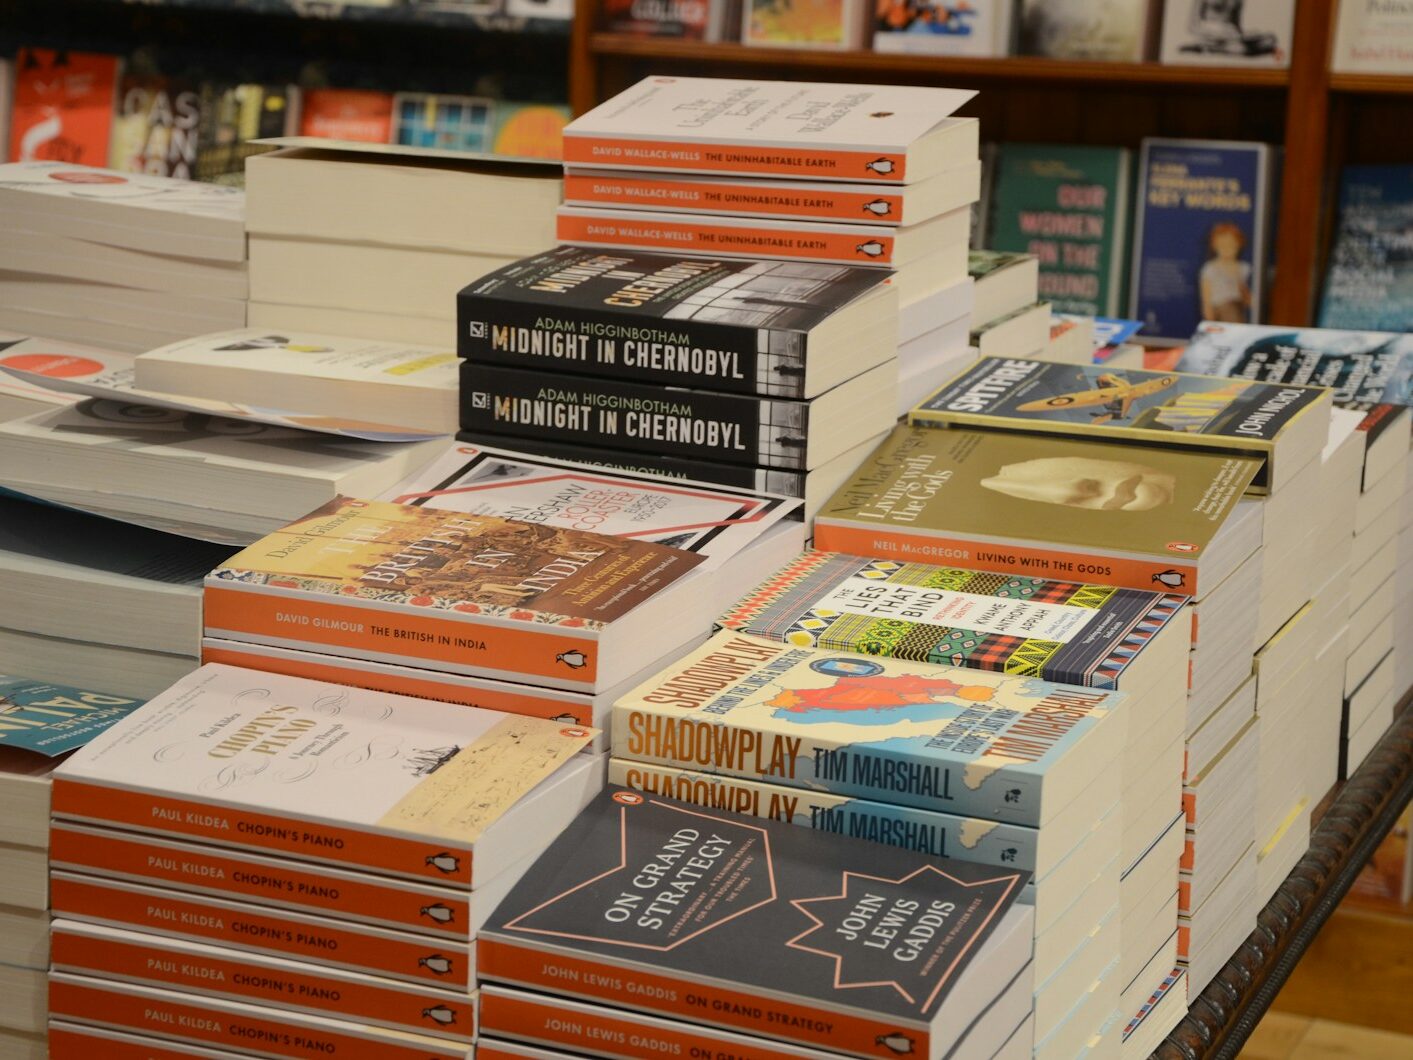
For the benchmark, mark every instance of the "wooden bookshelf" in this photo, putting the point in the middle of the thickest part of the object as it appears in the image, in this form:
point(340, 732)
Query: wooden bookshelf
point(1373, 84)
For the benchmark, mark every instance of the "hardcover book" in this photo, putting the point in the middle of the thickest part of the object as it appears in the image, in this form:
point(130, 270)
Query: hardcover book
point(63, 106)
point(1061, 631)
point(1069, 207)
point(1369, 283)
point(472, 594)
point(1266, 421)
point(1373, 37)
point(1048, 507)
point(731, 428)
point(994, 746)
point(943, 27)
point(760, 927)
point(325, 773)
point(870, 133)
point(1249, 33)
point(1200, 240)
point(746, 327)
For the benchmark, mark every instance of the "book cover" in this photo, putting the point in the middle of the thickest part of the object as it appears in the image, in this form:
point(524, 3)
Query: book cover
point(43, 357)
point(943, 27)
point(157, 126)
point(1369, 281)
point(1048, 507)
point(766, 128)
point(803, 23)
point(51, 719)
point(234, 115)
point(442, 122)
point(323, 772)
point(347, 114)
point(919, 734)
point(1373, 37)
point(728, 325)
point(1248, 33)
point(1200, 238)
point(687, 19)
point(753, 925)
point(1106, 30)
point(129, 194)
point(1069, 207)
point(402, 582)
point(1363, 368)
point(1069, 632)
point(715, 524)
point(530, 130)
point(1133, 404)
point(63, 106)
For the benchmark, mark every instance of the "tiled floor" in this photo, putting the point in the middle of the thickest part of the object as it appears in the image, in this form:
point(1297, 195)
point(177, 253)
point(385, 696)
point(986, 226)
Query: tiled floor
point(1282, 1036)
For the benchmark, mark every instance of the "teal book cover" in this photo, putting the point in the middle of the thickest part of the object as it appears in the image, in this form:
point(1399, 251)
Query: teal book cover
point(54, 719)
point(1369, 286)
point(1069, 206)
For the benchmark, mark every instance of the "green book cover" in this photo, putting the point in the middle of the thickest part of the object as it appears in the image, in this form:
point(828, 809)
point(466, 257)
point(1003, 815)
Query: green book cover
point(1069, 206)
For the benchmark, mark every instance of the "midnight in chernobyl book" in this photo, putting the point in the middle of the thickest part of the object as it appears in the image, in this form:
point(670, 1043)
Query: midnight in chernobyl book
point(667, 907)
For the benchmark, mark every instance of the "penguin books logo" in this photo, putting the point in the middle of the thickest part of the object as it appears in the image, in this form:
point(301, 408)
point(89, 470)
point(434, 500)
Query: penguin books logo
point(1014, 795)
point(897, 1043)
point(440, 913)
point(1181, 546)
point(574, 733)
point(881, 166)
point(441, 1014)
point(878, 207)
point(437, 964)
point(570, 718)
point(444, 862)
point(627, 798)
point(1173, 579)
point(575, 660)
point(872, 249)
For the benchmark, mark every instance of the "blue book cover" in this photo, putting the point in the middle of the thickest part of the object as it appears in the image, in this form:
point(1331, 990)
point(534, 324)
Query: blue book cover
point(1201, 235)
point(1369, 286)
point(54, 719)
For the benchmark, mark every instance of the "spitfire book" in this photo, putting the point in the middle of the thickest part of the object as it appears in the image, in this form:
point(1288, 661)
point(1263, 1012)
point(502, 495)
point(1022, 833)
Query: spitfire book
point(1262, 420)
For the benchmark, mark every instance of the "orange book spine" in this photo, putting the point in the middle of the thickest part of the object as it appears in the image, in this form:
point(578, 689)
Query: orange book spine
point(1184, 942)
point(647, 192)
point(780, 240)
point(327, 668)
point(1189, 855)
point(67, 1044)
point(416, 960)
point(1185, 896)
point(892, 543)
point(261, 832)
point(243, 1032)
point(540, 1020)
point(810, 1025)
point(529, 650)
point(430, 1012)
point(623, 153)
point(231, 876)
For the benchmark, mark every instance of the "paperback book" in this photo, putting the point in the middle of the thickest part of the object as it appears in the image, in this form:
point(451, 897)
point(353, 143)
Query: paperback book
point(346, 114)
point(1104, 30)
point(63, 106)
point(746, 327)
point(943, 27)
point(1250, 33)
point(686, 19)
point(758, 926)
point(52, 720)
point(156, 126)
point(822, 24)
point(1373, 37)
point(1268, 421)
point(1369, 282)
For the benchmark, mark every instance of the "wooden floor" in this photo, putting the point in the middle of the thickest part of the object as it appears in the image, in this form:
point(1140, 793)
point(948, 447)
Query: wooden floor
point(1283, 1036)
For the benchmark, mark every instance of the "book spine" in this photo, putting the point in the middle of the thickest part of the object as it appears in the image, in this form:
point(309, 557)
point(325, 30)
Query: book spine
point(678, 997)
point(72, 1043)
point(399, 956)
point(769, 480)
point(229, 974)
point(614, 344)
point(194, 1022)
point(423, 684)
point(762, 239)
point(115, 854)
point(734, 429)
point(361, 629)
point(309, 840)
point(781, 584)
point(1009, 558)
point(614, 1032)
point(867, 205)
point(609, 152)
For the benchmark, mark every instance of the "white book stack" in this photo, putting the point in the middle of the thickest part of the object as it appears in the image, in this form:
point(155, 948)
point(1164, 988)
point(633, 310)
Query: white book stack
point(934, 340)
point(123, 261)
point(1403, 581)
point(1223, 624)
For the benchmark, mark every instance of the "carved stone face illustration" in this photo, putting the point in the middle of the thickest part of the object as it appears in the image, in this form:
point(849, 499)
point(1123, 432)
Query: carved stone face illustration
point(1085, 482)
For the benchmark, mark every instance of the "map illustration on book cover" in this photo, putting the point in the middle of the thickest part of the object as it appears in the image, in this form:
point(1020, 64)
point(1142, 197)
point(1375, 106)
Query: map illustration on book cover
point(829, 940)
point(324, 772)
point(721, 324)
point(1362, 367)
point(54, 719)
point(1131, 403)
point(925, 735)
point(1032, 627)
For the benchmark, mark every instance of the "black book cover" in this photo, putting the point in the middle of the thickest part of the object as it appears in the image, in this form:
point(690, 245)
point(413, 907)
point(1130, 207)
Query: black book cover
point(830, 940)
point(732, 428)
point(737, 326)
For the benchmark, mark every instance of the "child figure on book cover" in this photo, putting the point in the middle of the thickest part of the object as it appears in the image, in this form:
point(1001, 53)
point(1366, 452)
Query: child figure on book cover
point(1225, 280)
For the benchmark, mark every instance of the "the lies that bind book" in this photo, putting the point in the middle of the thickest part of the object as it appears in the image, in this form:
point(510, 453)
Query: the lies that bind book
point(715, 918)
point(368, 780)
point(1064, 631)
point(988, 745)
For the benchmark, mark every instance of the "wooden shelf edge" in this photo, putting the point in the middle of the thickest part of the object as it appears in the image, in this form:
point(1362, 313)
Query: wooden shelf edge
point(338, 10)
point(1372, 84)
point(837, 64)
point(1362, 812)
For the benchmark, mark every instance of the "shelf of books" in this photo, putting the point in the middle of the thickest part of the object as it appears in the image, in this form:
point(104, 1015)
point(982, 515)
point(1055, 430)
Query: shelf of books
point(550, 17)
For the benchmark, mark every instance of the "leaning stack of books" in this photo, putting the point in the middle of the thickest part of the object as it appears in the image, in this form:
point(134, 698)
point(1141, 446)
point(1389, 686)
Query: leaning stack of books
point(659, 927)
point(374, 242)
point(295, 868)
point(43, 722)
point(124, 261)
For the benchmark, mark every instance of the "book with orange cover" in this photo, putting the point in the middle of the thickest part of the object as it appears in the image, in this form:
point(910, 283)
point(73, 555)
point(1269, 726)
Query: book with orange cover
point(63, 106)
point(347, 114)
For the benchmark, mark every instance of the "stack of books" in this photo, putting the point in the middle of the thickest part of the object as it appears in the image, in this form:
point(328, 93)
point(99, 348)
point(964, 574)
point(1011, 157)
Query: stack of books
point(373, 241)
point(294, 868)
point(1007, 319)
point(766, 375)
point(46, 356)
point(706, 933)
point(43, 722)
point(1403, 604)
point(123, 261)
